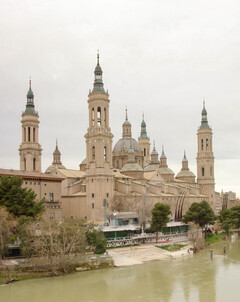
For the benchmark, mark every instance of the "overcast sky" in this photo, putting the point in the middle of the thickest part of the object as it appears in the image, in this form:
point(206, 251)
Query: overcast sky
point(160, 57)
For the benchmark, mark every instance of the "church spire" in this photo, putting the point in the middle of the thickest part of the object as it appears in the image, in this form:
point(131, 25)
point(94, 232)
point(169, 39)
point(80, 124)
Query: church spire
point(126, 127)
point(98, 82)
point(57, 155)
point(204, 122)
point(143, 134)
point(30, 108)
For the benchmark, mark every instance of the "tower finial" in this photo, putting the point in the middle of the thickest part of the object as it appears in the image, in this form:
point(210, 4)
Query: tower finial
point(30, 83)
point(203, 103)
point(154, 149)
point(98, 56)
point(126, 118)
point(143, 115)
point(56, 143)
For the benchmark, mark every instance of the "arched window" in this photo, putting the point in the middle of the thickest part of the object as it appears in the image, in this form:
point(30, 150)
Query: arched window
point(24, 134)
point(99, 116)
point(34, 134)
point(202, 143)
point(105, 153)
point(34, 164)
point(25, 164)
point(207, 144)
point(93, 153)
point(117, 164)
point(144, 151)
point(29, 133)
point(92, 116)
point(105, 116)
point(203, 172)
point(211, 171)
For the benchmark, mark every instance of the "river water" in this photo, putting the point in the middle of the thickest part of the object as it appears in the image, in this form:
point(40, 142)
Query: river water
point(192, 278)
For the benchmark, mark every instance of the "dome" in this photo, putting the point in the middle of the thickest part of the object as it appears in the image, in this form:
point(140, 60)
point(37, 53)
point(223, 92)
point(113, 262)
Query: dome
point(151, 168)
point(30, 94)
point(126, 123)
point(185, 173)
point(165, 171)
point(98, 69)
point(56, 152)
point(131, 167)
point(52, 167)
point(123, 145)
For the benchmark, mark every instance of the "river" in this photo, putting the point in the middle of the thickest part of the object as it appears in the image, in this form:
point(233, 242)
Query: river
point(192, 278)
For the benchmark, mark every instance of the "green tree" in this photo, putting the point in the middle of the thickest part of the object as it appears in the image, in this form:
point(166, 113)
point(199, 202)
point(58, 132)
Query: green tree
point(225, 220)
point(19, 201)
point(200, 213)
point(160, 218)
point(235, 217)
point(97, 240)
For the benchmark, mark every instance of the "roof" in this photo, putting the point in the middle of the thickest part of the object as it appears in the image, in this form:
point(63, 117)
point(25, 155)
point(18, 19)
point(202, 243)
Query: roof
point(54, 166)
point(131, 167)
point(121, 215)
point(149, 174)
point(72, 173)
point(28, 174)
point(118, 174)
point(151, 167)
point(165, 171)
point(185, 173)
point(84, 162)
point(123, 145)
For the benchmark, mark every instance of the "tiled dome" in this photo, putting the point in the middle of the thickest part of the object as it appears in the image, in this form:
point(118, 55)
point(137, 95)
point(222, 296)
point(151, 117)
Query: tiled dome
point(52, 167)
point(165, 170)
point(185, 173)
point(123, 145)
point(131, 167)
point(151, 168)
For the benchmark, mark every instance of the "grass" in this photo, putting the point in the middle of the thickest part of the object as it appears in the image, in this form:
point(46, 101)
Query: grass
point(172, 247)
point(214, 238)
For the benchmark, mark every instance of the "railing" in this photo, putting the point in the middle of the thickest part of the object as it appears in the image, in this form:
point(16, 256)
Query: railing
point(147, 238)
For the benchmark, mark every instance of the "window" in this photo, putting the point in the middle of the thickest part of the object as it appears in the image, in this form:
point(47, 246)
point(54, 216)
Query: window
point(99, 116)
point(34, 134)
point(207, 144)
point(92, 179)
point(34, 164)
point(117, 164)
point(144, 151)
point(92, 195)
point(24, 134)
point(105, 116)
point(29, 133)
point(93, 153)
point(105, 153)
point(202, 143)
point(93, 116)
point(25, 164)
point(26, 182)
point(92, 205)
point(203, 171)
point(211, 171)
point(51, 197)
point(107, 194)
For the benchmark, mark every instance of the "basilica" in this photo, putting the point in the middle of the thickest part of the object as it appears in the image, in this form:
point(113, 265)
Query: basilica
point(129, 177)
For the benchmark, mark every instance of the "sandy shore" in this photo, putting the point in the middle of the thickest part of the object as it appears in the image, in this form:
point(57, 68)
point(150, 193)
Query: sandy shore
point(144, 253)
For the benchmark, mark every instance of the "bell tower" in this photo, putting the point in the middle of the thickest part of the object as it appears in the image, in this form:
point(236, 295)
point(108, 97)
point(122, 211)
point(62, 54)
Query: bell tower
point(205, 160)
point(30, 150)
point(144, 142)
point(99, 171)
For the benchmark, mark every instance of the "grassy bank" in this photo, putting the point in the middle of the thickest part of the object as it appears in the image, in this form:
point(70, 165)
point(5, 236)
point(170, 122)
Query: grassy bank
point(215, 238)
point(39, 267)
point(172, 247)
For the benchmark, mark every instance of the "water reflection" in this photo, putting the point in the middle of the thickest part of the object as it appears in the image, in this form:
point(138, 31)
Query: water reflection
point(194, 278)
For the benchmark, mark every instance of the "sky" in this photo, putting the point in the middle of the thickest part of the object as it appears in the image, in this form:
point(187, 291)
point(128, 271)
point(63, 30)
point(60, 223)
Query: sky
point(159, 57)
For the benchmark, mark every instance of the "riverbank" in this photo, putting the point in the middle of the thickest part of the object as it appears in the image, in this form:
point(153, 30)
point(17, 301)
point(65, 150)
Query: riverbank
point(22, 269)
point(144, 253)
